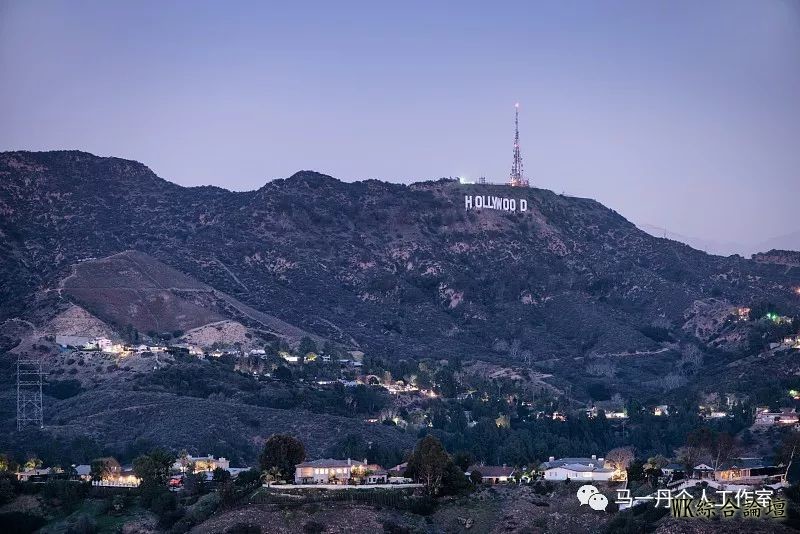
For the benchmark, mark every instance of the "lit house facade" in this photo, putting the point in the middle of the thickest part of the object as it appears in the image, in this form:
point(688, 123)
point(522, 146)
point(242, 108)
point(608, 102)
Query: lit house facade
point(492, 474)
point(332, 471)
point(580, 469)
point(750, 471)
point(201, 463)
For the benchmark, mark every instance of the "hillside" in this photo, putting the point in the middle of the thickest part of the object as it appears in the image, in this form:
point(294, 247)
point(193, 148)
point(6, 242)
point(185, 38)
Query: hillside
point(391, 269)
point(132, 289)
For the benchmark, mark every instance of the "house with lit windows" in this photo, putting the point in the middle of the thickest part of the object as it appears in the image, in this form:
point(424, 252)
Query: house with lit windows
point(492, 474)
point(750, 471)
point(201, 463)
point(332, 471)
point(593, 469)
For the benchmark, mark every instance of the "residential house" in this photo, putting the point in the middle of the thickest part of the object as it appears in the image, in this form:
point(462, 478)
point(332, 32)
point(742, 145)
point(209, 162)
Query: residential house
point(709, 412)
point(102, 344)
point(660, 410)
point(193, 350)
point(492, 474)
point(594, 411)
point(786, 416)
point(234, 471)
point(201, 463)
point(577, 469)
point(396, 474)
point(124, 477)
point(703, 471)
point(84, 471)
point(150, 348)
point(379, 476)
point(333, 471)
point(672, 470)
point(34, 475)
point(290, 358)
point(73, 342)
point(750, 471)
point(398, 470)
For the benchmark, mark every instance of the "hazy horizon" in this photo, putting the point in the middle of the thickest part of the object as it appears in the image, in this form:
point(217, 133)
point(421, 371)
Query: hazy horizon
point(683, 117)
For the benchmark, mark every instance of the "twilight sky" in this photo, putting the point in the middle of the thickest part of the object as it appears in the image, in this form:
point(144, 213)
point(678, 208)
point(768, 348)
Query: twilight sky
point(681, 114)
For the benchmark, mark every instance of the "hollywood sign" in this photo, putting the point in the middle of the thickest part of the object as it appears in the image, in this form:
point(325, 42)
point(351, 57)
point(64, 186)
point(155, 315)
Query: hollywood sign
point(488, 202)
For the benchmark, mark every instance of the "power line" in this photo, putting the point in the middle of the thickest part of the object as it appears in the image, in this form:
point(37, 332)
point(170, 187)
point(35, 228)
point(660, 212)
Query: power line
point(29, 392)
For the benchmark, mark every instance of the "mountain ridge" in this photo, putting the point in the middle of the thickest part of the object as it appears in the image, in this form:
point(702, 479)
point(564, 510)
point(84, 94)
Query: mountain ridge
point(401, 269)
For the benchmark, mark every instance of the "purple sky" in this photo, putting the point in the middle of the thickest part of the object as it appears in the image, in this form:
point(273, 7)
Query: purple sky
point(682, 114)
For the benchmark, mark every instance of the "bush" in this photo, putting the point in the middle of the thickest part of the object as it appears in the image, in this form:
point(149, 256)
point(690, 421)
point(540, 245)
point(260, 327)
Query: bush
point(172, 517)
point(390, 527)
point(203, 508)
point(543, 487)
point(313, 527)
point(251, 476)
point(68, 493)
point(423, 505)
point(475, 477)
point(63, 389)
point(163, 503)
point(6, 489)
point(243, 528)
point(20, 522)
point(83, 524)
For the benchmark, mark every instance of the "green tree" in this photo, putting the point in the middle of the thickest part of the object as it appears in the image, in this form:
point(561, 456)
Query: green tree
point(33, 463)
point(104, 468)
point(475, 477)
point(283, 373)
point(463, 459)
point(6, 464)
point(273, 474)
point(428, 463)
point(636, 471)
point(454, 481)
point(306, 345)
point(248, 477)
point(153, 471)
point(6, 488)
point(196, 482)
point(227, 493)
point(283, 452)
point(221, 475)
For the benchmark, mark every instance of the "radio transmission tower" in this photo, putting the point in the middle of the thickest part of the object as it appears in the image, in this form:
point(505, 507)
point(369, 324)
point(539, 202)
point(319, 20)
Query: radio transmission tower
point(517, 178)
point(29, 391)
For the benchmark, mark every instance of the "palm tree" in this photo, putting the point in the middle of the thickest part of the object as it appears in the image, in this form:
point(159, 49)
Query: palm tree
point(183, 458)
point(271, 475)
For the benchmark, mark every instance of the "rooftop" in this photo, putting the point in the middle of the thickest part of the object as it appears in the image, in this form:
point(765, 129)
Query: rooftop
point(492, 470)
point(747, 463)
point(330, 462)
point(569, 463)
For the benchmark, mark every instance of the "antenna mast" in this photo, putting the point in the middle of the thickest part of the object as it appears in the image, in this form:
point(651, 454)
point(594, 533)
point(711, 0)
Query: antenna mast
point(517, 178)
